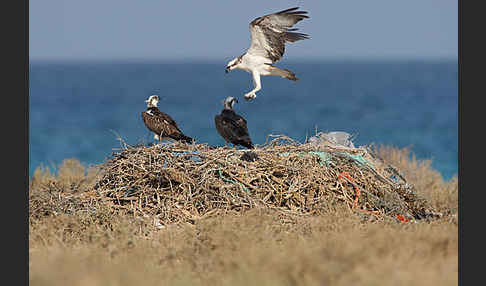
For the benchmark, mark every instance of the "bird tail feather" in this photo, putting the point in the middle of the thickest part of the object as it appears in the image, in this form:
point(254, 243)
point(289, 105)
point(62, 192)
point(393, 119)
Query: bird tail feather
point(247, 144)
point(285, 73)
point(186, 139)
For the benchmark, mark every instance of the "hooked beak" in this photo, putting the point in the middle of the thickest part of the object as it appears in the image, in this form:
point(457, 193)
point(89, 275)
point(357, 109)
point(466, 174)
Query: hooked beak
point(227, 69)
point(235, 100)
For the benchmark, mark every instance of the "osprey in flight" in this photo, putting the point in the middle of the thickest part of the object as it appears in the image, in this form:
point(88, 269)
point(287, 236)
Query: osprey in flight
point(161, 124)
point(269, 34)
point(231, 126)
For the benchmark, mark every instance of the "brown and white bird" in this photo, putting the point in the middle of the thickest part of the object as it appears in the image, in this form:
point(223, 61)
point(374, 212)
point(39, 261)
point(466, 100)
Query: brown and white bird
point(161, 124)
point(231, 126)
point(269, 34)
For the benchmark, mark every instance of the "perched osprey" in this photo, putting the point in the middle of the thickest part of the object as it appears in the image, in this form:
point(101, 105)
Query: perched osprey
point(161, 124)
point(231, 126)
point(269, 34)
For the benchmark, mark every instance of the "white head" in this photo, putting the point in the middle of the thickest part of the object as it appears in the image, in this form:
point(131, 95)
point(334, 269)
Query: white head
point(229, 102)
point(233, 64)
point(152, 101)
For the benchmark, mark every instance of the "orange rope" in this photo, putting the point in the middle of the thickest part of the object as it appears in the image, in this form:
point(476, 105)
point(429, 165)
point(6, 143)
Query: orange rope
point(402, 218)
point(346, 174)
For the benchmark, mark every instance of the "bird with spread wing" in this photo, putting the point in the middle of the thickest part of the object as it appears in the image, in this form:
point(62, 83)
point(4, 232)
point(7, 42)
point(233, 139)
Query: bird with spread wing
point(269, 34)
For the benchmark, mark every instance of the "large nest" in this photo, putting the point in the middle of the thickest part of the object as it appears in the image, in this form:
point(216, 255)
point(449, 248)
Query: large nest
point(182, 183)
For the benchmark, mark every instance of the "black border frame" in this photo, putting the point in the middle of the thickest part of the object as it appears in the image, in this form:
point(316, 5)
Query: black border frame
point(15, 141)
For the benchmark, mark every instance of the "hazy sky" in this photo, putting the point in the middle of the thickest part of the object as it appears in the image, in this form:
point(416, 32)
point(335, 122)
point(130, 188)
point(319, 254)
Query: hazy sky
point(157, 29)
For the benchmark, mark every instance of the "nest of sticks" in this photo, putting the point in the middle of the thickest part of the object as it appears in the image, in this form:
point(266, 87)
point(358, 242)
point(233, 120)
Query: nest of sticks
point(182, 183)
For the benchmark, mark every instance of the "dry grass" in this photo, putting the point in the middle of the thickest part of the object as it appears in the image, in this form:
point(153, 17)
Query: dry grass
point(427, 181)
point(258, 248)
point(79, 243)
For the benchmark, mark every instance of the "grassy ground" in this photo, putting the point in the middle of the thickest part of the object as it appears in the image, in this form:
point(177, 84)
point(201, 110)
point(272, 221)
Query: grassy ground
point(259, 247)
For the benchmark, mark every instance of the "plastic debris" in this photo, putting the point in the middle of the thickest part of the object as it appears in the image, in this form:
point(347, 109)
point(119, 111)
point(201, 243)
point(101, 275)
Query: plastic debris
point(339, 138)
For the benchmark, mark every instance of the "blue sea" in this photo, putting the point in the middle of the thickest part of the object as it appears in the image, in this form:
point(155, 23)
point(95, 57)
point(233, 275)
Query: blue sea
point(78, 109)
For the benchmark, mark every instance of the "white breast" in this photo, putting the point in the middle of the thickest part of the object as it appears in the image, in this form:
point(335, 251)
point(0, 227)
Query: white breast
point(252, 62)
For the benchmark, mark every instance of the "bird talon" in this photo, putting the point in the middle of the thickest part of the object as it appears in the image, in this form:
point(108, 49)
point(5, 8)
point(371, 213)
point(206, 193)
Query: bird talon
point(250, 96)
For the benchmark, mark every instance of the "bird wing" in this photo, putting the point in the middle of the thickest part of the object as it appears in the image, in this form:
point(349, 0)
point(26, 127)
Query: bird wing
point(233, 125)
point(164, 117)
point(150, 123)
point(242, 125)
point(269, 33)
point(160, 122)
point(238, 123)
